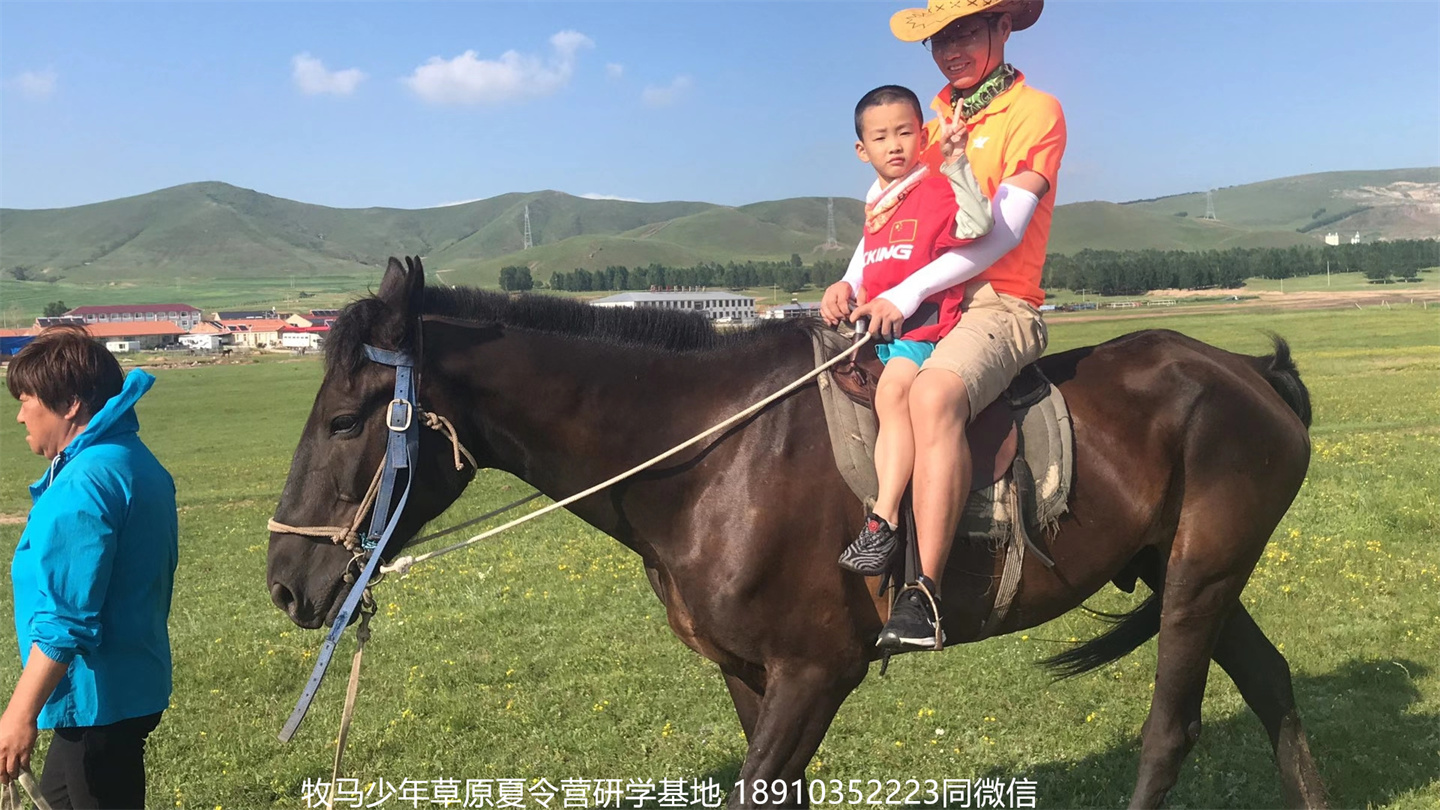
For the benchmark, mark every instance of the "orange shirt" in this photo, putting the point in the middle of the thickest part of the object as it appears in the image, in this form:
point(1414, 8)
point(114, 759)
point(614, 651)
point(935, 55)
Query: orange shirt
point(1022, 129)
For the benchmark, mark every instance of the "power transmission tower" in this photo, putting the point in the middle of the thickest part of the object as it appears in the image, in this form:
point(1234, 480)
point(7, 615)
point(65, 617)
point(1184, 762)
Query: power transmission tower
point(528, 243)
point(1210, 204)
point(830, 242)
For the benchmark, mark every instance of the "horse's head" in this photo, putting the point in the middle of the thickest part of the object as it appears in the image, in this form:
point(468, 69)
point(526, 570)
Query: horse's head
point(343, 444)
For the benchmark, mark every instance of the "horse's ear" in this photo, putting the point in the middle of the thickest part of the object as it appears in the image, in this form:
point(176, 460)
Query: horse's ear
point(403, 287)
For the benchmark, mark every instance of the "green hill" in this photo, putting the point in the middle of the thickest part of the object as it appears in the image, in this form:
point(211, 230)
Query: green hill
point(1406, 203)
point(206, 231)
point(1111, 226)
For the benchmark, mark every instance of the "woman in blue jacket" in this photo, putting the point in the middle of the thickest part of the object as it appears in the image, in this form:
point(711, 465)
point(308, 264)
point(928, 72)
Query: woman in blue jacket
point(93, 575)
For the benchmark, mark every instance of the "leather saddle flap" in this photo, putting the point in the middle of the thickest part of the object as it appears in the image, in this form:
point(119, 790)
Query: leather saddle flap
point(992, 434)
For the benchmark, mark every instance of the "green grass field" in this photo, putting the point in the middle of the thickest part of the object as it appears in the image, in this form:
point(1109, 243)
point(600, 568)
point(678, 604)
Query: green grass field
point(544, 653)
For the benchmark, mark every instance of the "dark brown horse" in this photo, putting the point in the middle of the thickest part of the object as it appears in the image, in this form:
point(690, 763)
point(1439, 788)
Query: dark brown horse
point(1186, 459)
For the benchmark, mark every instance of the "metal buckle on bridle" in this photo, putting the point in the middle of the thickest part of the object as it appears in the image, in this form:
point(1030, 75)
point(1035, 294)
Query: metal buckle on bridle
point(394, 409)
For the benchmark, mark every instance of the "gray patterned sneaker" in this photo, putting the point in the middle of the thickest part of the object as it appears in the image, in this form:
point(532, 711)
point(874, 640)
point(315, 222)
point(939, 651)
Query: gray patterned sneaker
point(911, 625)
point(872, 549)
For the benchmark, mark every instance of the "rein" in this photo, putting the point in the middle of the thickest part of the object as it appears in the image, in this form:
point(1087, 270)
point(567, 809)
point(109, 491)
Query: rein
point(400, 453)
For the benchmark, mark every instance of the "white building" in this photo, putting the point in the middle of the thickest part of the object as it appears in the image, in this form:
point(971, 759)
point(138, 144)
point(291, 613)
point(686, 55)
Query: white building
point(182, 315)
point(794, 309)
point(713, 305)
point(301, 340)
point(203, 341)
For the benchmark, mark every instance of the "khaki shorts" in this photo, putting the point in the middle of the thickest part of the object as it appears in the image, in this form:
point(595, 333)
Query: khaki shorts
point(996, 337)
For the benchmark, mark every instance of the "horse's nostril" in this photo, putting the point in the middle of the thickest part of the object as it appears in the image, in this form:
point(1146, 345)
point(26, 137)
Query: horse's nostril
point(283, 598)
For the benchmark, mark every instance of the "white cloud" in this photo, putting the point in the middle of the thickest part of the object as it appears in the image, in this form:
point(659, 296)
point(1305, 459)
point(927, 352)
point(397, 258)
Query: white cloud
point(614, 71)
point(457, 202)
point(35, 84)
point(665, 96)
point(313, 79)
point(593, 196)
point(468, 79)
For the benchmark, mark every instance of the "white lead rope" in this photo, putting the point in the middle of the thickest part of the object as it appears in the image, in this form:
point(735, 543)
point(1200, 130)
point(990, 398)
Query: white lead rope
point(10, 794)
point(403, 564)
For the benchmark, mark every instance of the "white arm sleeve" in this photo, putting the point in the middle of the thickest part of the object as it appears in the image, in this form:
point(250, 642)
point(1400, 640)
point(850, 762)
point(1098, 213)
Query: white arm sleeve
point(855, 273)
point(1013, 206)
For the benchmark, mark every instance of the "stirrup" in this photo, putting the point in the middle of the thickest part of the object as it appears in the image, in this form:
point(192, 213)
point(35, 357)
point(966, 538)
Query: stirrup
point(919, 585)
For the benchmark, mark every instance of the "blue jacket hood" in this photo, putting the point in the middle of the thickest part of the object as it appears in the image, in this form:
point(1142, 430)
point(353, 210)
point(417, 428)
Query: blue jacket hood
point(115, 418)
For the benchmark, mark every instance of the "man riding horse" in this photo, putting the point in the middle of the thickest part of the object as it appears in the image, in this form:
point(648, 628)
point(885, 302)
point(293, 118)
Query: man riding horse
point(1014, 137)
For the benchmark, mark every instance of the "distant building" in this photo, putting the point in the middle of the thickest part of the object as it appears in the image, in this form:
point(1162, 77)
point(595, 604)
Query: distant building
point(256, 333)
point(63, 320)
point(311, 319)
point(203, 341)
point(302, 337)
point(209, 327)
point(13, 340)
point(246, 315)
point(136, 336)
point(182, 315)
point(794, 309)
point(713, 305)
point(1332, 239)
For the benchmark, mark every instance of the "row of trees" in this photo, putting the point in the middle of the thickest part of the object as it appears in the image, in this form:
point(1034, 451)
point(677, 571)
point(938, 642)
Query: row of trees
point(1111, 272)
point(1108, 272)
point(789, 276)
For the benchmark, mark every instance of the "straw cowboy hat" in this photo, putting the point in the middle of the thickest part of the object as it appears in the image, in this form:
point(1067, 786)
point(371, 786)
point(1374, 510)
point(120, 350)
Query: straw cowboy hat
point(915, 24)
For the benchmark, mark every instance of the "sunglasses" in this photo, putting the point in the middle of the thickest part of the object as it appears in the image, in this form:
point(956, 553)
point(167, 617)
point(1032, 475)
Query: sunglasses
point(960, 34)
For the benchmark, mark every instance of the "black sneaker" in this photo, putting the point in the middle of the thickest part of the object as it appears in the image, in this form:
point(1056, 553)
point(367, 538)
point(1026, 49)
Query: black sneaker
point(872, 549)
point(911, 625)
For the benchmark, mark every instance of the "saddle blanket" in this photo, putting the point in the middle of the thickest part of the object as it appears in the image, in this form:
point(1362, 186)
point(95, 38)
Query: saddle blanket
point(1033, 493)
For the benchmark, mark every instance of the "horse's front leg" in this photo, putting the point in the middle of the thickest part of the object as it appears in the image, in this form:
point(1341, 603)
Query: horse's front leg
point(800, 701)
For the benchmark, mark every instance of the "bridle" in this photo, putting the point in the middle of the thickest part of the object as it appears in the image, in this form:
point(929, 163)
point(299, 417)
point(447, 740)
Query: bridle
point(402, 451)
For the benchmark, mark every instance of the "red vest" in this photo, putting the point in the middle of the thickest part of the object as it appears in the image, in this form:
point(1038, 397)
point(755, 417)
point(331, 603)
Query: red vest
point(920, 228)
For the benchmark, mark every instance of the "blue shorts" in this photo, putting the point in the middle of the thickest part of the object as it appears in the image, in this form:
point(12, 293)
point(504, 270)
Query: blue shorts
point(916, 351)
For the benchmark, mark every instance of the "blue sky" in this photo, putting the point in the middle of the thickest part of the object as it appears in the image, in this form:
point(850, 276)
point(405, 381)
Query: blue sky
point(418, 104)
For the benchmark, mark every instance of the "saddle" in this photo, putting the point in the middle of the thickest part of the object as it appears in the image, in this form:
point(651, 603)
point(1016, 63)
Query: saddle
point(993, 434)
point(1024, 433)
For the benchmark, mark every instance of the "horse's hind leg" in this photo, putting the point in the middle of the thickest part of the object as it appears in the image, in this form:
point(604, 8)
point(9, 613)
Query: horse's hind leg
point(1214, 550)
point(1263, 678)
point(1191, 615)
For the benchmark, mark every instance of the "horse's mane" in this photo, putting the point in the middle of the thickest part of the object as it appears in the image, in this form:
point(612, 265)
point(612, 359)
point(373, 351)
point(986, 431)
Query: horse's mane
point(670, 331)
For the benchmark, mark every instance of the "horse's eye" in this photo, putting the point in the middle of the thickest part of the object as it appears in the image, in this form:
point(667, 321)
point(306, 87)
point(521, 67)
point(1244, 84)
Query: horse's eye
point(344, 423)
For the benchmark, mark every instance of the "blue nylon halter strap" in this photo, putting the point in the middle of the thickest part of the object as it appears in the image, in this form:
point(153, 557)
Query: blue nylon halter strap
point(402, 448)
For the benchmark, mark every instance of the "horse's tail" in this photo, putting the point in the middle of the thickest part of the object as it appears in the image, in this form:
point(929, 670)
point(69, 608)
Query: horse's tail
point(1279, 370)
point(1129, 631)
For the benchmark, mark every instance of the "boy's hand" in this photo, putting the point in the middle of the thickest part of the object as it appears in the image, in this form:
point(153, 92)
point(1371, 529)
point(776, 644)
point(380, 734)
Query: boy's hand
point(886, 319)
point(835, 306)
point(952, 138)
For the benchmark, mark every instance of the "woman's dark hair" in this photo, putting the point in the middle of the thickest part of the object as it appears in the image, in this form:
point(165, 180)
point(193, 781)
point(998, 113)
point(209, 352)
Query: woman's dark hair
point(888, 94)
point(62, 365)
